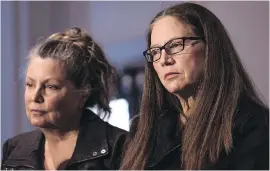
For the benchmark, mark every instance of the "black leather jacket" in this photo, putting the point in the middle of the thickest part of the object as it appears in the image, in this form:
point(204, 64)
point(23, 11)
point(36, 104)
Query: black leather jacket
point(250, 142)
point(98, 147)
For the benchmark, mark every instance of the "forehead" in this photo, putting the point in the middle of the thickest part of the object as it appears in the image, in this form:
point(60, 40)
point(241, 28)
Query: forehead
point(45, 67)
point(167, 28)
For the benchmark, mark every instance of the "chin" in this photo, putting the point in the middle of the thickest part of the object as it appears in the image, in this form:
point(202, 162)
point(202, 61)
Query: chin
point(181, 90)
point(38, 122)
point(175, 92)
point(173, 88)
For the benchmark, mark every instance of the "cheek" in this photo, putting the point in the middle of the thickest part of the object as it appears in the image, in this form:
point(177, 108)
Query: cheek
point(65, 103)
point(194, 66)
point(158, 70)
point(26, 103)
point(55, 103)
point(27, 97)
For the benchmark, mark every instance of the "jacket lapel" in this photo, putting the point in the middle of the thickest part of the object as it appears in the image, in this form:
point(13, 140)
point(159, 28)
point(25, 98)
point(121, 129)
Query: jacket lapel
point(168, 137)
point(92, 140)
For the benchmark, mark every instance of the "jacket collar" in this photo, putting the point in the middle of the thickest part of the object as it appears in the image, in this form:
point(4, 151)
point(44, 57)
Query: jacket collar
point(168, 137)
point(92, 139)
point(91, 143)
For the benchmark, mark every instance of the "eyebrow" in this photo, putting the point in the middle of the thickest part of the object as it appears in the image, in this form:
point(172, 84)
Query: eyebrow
point(46, 80)
point(155, 45)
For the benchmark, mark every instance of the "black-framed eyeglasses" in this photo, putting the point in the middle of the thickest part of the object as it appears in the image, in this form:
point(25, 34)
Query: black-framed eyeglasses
point(172, 47)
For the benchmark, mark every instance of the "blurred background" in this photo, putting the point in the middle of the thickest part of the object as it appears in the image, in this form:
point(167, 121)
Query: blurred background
point(120, 29)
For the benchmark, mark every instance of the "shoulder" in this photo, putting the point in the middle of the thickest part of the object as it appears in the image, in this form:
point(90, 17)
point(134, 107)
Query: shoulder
point(16, 144)
point(250, 138)
point(251, 132)
point(24, 138)
point(251, 116)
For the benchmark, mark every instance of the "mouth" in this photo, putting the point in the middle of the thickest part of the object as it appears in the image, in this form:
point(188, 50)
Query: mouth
point(37, 111)
point(170, 75)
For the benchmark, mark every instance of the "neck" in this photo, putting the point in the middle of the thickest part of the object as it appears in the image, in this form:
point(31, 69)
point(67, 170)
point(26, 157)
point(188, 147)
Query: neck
point(187, 103)
point(62, 131)
point(56, 136)
point(59, 147)
point(60, 142)
point(187, 98)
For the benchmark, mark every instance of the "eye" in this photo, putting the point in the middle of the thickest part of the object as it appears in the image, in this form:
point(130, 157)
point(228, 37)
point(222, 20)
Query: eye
point(52, 87)
point(154, 52)
point(27, 84)
point(176, 44)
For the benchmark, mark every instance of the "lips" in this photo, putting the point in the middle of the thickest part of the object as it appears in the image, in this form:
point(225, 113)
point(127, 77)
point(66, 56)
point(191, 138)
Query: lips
point(38, 111)
point(170, 75)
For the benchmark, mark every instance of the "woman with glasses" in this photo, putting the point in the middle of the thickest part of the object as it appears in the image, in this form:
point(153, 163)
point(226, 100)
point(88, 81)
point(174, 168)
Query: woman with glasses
point(66, 74)
point(199, 109)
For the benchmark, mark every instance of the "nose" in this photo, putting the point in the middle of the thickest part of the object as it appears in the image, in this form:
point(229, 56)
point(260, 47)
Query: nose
point(37, 96)
point(165, 59)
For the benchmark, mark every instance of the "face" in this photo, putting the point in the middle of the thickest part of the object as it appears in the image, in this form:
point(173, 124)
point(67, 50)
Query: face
point(181, 70)
point(51, 101)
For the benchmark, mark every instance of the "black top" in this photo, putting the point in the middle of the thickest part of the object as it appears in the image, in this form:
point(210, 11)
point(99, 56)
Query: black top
point(98, 147)
point(250, 141)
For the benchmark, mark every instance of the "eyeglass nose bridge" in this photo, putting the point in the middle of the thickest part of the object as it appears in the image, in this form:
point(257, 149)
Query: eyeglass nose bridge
point(167, 50)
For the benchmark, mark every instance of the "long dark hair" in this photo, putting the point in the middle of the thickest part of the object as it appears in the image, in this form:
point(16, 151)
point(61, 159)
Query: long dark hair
point(225, 81)
point(87, 66)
